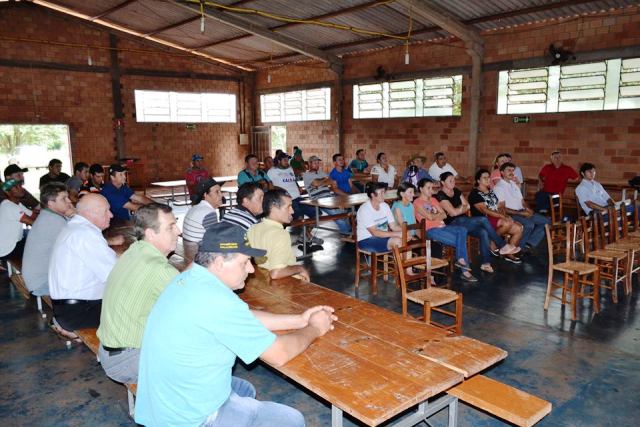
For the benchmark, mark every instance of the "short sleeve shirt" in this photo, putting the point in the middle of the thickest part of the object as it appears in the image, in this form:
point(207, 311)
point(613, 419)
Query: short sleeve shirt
point(429, 206)
point(193, 177)
point(117, 198)
point(509, 193)
point(10, 225)
point(195, 331)
point(197, 220)
point(342, 179)
point(388, 176)
point(245, 176)
point(273, 238)
point(435, 171)
point(368, 217)
point(316, 192)
point(408, 213)
point(555, 179)
point(359, 165)
point(74, 183)
point(455, 201)
point(591, 191)
point(285, 178)
point(46, 178)
point(489, 199)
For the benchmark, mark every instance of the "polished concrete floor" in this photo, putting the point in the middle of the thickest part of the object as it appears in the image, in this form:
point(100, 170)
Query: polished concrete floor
point(588, 369)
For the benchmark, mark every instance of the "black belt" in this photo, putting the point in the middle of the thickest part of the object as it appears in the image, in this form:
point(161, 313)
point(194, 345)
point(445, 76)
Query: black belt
point(70, 301)
point(114, 350)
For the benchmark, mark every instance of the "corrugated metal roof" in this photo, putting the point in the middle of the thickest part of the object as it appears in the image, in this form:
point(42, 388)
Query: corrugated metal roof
point(91, 8)
point(148, 15)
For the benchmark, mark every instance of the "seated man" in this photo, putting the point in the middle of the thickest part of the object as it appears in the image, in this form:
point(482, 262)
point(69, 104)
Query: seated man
point(271, 236)
point(267, 164)
point(43, 234)
point(120, 197)
point(360, 170)
point(198, 327)
point(251, 173)
point(135, 283)
point(500, 160)
point(342, 176)
point(298, 164)
point(195, 173)
point(554, 177)
point(377, 227)
point(207, 198)
point(508, 192)
point(415, 171)
point(590, 193)
point(441, 166)
point(55, 173)
point(80, 264)
point(249, 208)
point(13, 215)
point(319, 185)
point(14, 171)
point(78, 180)
point(95, 182)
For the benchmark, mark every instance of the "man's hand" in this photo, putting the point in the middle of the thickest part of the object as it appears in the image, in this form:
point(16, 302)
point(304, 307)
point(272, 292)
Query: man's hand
point(309, 312)
point(321, 321)
point(527, 213)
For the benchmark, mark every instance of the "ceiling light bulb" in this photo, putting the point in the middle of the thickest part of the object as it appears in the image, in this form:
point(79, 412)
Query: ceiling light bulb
point(89, 60)
point(406, 58)
point(269, 78)
point(202, 24)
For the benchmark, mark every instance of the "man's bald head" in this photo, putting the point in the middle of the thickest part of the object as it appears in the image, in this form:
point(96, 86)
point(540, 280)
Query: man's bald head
point(95, 209)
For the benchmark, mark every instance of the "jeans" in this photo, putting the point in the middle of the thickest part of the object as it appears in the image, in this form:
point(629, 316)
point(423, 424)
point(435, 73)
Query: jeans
point(533, 231)
point(344, 225)
point(121, 367)
point(454, 236)
point(300, 210)
point(542, 201)
point(243, 410)
point(479, 226)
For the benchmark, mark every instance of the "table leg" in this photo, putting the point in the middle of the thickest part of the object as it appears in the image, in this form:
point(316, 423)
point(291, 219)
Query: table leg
point(317, 216)
point(427, 409)
point(336, 416)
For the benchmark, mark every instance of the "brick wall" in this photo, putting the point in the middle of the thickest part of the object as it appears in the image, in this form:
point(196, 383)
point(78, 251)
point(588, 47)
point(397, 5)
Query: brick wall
point(610, 139)
point(83, 100)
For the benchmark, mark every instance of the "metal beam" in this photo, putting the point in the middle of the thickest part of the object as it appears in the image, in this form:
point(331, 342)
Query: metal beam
point(113, 9)
point(334, 62)
point(172, 26)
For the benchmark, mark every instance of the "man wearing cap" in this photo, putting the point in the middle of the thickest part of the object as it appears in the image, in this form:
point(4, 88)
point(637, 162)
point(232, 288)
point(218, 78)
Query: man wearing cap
point(122, 199)
point(195, 173)
point(271, 236)
point(319, 185)
point(78, 180)
point(133, 286)
point(80, 264)
point(249, 198)
point(251, 173)
point(415, 171)
point(203, 214)
point(13, 215)
point(282, 176)
point(14, 171)
point(55, 173)
point(43, 235)
point(199, 318)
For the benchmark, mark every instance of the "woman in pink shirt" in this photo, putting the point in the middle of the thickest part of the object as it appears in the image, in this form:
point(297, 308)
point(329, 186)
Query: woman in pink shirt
point(428, 208)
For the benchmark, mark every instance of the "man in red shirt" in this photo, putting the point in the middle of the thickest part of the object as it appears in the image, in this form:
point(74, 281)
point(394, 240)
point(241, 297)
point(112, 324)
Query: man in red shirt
point(554, 177)
point(195, 174)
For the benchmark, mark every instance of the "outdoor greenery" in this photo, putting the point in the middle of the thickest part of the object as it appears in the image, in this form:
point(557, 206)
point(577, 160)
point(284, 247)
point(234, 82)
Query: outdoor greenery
point(53, 137)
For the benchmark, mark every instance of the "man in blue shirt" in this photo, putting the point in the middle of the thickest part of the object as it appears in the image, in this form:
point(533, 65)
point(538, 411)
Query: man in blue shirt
point(122, 199)
point(196, 329)
point(342, 176)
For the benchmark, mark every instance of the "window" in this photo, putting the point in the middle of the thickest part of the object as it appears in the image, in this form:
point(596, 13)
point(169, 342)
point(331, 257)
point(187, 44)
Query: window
point(182, 107)
point(441, 96)
point(296, 106)
point(613, 84)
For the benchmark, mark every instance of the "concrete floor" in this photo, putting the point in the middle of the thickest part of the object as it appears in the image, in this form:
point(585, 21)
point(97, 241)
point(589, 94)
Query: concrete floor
point(588, 369)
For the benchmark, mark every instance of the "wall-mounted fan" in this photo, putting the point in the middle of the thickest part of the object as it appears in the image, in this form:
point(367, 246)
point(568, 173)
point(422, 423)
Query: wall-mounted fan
point(560, 55)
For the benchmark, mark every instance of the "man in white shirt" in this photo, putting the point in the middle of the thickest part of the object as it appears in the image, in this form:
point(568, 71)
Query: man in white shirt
point(590, 193)
point(440, 166)
point(377, 229)
point(384, 172)
point(508, 192)
point(13, 215)
point(80, 264)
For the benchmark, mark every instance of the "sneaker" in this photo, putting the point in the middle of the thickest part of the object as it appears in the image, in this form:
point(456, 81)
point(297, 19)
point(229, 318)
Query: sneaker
point(508, 249)
point(512, 258)
point(316, 240)
point(495, 252)
point(469, 278)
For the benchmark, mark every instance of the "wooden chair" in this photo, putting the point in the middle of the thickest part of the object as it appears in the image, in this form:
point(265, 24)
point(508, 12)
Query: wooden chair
point(629, 245)
point(612, 264)
point(556, 207)
point(430, 297)
point(575, 275)
point(376, 260)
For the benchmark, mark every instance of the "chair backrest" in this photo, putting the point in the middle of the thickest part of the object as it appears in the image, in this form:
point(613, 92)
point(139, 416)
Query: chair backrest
point(602, 226)
point(635, 214)
point(568, 230)
point(403, 262)
point(589, 234)
point(556, 206)
point(419, 230)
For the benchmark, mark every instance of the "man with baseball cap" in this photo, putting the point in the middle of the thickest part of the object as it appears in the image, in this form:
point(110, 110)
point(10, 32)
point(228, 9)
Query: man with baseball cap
point(13, 215)
point(122, 199)
point(199, 318)
point(203, 214)
point(195, 173)
point(14, 171)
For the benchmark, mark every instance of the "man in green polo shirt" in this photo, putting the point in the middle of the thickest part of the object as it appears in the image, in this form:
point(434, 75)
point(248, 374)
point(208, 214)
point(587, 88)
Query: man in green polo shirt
point(134, 285)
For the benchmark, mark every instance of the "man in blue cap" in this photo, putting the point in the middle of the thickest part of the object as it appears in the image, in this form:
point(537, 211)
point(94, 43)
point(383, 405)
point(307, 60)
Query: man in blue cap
point(197, 328)
point(195, 173)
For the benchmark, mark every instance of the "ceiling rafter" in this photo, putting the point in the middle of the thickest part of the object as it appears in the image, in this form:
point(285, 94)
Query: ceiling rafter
point(335, 63)
point(113, 9)
point(172, 26)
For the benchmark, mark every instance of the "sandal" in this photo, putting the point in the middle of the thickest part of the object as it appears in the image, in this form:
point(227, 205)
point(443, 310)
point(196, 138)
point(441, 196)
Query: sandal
point(470, 278)
point(487, 268)
point(463, 267)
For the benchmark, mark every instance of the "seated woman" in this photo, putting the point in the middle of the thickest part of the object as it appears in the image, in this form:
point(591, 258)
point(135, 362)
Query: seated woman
point(456, 207)
point(377, 229)
point(484, 203)
point(428, 208)
point(384, 172)
point(403, 207)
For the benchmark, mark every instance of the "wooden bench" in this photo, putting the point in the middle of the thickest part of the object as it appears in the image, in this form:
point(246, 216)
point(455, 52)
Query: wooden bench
point(90, 339)
point(15, 276)
point(501, 400)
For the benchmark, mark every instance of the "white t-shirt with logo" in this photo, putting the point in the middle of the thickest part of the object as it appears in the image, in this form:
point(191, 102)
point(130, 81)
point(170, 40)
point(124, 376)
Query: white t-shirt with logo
point(10, 225)
point(285, 178)
point(368, 217)
point(387, 177)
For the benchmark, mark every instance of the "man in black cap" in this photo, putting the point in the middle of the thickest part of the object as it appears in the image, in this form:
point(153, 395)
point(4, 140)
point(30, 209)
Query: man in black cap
point(198, 317)
point(122, 199)
point(55, 173)
point(14, 171)
point(203, 214)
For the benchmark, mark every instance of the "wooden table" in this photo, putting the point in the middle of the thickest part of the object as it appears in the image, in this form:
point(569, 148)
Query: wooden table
point(182, 184)
point(375, 364)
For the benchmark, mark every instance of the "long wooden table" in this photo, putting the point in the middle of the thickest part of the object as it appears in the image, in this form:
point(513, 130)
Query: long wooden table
point(375, 364)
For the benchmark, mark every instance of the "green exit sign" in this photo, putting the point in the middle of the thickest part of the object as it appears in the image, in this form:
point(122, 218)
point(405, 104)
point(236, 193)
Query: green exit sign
point(191, 126)
point(521, 119)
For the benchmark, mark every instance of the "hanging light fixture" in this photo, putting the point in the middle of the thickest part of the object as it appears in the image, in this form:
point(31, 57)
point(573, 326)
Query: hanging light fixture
point(202, 16)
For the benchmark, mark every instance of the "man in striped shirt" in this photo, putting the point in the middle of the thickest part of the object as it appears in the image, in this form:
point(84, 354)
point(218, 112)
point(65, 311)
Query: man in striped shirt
point(319, 185)
point(203, 214)
point(249, 198)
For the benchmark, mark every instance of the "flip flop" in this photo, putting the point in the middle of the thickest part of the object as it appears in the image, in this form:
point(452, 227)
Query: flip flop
point(462, 266)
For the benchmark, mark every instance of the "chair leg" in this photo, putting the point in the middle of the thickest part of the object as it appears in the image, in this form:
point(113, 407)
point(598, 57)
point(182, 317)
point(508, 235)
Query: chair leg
point(596, 291)
point(385, 266)
point(374, 273)
point(426, 310)
point(549, 281)
point(357, 283)
point(564, 288)
point(614, 285)
point(459, 315)
point(574, 296)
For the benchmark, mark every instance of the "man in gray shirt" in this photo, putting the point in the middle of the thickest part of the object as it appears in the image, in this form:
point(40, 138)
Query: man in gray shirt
point(77, 181)
point(39, 246)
